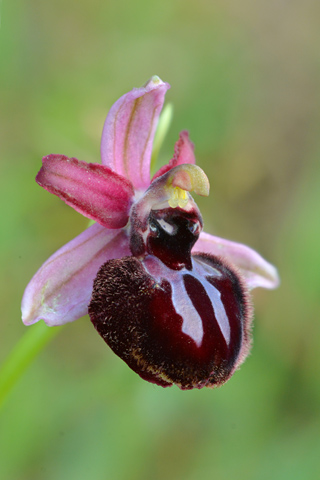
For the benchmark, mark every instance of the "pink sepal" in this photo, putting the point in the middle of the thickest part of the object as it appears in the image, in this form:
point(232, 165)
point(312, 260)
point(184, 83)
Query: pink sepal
point(90, 188)
point(256, 271)
point(129, 129)
point(61, 289)
point(183, 153)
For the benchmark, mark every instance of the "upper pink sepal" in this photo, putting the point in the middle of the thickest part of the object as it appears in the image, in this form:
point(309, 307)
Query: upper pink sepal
point(256, 271)
point(92, 189)
point(129, 129)
point(183, 153)
point(61, 289)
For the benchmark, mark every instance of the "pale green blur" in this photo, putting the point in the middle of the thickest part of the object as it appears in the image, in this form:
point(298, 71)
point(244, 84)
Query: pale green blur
point(245, 83)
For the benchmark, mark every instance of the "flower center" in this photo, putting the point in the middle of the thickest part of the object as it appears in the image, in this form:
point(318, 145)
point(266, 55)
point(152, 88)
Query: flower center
point(166, 222)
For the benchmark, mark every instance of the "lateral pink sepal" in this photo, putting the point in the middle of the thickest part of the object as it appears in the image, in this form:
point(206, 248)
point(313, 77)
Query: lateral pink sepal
point(61, 289)
point(92, 189)
point(129, 129)
point(256, 271)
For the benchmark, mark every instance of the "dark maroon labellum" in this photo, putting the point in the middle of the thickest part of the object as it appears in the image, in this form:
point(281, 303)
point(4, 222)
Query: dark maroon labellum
point(173, 317)
point(188, 328)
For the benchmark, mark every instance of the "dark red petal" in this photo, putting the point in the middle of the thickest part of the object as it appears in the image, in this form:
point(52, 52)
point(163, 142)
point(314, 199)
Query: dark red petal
point(90, 188)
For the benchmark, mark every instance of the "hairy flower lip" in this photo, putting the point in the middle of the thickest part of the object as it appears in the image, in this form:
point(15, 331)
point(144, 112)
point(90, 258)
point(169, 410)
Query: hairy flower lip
point(207, 347)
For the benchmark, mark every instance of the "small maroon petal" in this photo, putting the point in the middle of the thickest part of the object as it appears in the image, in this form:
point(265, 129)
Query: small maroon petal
point(184, 328)
point(92, 189)
point(183, 153)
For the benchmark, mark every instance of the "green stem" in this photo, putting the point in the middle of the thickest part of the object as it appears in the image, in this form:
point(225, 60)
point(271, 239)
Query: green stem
point(22, 355)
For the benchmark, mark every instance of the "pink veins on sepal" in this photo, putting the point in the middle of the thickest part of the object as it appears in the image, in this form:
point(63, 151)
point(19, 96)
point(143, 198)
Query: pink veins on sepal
point(129, 129)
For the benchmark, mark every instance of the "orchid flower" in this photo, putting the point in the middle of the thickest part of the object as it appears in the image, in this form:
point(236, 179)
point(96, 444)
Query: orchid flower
point(171, 301)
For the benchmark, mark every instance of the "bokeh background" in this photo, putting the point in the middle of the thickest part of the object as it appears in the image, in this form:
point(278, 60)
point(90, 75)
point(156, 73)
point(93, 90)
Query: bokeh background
point(245, 83)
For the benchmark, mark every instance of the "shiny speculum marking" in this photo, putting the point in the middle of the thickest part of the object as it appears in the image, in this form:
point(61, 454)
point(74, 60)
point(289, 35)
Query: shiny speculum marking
point(193, 297)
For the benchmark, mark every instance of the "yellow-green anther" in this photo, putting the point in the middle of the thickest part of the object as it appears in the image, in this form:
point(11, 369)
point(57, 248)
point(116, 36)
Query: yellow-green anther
point(178, 197)
point(190, 178)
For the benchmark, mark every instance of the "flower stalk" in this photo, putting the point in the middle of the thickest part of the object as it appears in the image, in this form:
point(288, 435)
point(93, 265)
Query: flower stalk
point(22, 355)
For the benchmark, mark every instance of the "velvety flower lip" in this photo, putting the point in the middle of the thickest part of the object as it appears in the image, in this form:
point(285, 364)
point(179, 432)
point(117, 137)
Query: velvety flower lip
point(61, 289)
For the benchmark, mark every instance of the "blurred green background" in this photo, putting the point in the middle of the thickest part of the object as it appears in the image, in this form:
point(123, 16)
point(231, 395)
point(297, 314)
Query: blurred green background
point(245, 83)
